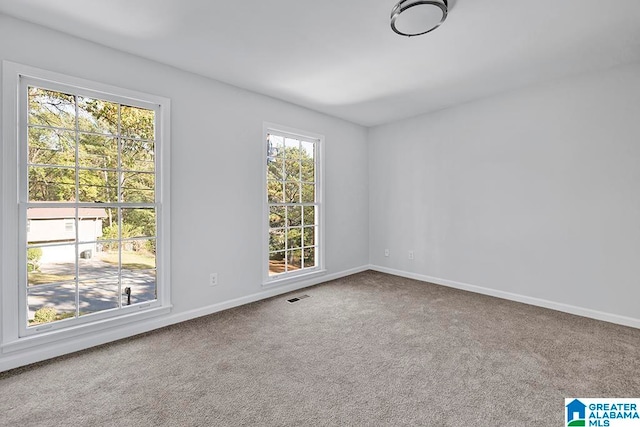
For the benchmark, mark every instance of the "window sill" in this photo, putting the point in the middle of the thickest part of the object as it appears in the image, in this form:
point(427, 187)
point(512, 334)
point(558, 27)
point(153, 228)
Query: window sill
point(81, 330)
point(269, 283)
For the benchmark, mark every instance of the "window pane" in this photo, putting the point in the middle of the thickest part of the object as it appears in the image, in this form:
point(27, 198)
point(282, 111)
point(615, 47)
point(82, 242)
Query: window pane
point(98, 294)
point(292, 170)
point(138, 271)
point(292, 148)
point(138, 155)
point(276, 263)
point(96, 151)
point(308, 150)
point(137, 123)
point(308, 193)
point(274, 192)
point(309, 215)
point(275, 146)
point(98, 264)
point(276, 216)
point(138, 187)
point(309, 238)
point(51, 303)
point(138, 222)
point(51, 225)
point(309, 257)
point(52, 184)
point(106, 226)
point(294, 215)
point(92, 223)
point(52, 147)
point(138, 255)
point(51, 108)
point(275, 166)
point(294, 238)
point(107, 257)
point(98, 277)
point(95, 115)
point(276, 240)
point(98, 186)
point(138, 286)
point(294, 260)
point(51, 264)
point(292, 192)
point(308, 171)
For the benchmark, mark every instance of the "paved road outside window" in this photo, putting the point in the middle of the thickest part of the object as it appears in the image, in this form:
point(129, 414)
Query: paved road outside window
point(98, 287)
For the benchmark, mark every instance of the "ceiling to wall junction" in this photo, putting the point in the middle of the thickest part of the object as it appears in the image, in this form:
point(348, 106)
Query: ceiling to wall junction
point(342, 58)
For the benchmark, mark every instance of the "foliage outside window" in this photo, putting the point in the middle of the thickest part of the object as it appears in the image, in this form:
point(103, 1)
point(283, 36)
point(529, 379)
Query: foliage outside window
point(293, 203)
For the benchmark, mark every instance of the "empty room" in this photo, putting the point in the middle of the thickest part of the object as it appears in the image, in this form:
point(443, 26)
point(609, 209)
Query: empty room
point(317, 213)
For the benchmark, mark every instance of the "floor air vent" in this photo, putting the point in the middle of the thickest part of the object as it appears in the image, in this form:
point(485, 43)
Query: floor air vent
point(296, 299)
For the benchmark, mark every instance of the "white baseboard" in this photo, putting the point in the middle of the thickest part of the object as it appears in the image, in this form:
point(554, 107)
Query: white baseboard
point(266, 293)
point(59, 348)
point(565, 308)
point(33, 355)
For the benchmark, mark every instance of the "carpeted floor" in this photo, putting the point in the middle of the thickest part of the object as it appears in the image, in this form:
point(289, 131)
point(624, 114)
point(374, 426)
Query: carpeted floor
point(366, 350)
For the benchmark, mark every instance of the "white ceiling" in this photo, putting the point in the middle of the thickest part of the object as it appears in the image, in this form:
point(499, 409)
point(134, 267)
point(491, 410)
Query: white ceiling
point(342, 58)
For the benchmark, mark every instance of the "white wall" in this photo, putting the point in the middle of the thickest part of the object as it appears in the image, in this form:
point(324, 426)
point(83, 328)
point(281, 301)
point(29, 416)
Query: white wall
point(216, 170)
point(534, 193)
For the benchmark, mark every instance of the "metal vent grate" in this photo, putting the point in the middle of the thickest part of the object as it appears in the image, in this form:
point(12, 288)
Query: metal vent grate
point(296, 299)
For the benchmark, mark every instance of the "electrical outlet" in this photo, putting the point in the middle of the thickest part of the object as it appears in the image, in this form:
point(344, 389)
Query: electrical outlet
point(386, 252)
point(213, 279)
point(411, 255)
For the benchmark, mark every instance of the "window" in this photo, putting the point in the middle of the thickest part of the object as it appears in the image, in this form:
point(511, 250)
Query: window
point(293, 193)
point(92, 223)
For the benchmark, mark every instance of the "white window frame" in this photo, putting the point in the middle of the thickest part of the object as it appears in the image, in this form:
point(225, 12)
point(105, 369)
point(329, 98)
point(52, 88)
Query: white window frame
point(319, 269)
point(15, 335)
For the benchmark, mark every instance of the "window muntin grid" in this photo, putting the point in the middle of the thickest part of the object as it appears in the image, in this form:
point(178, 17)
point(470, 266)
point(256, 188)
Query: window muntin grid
point(90, 163)
point(293, 204)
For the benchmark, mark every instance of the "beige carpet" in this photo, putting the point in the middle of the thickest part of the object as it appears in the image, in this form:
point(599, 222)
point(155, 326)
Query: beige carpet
point(367, 350)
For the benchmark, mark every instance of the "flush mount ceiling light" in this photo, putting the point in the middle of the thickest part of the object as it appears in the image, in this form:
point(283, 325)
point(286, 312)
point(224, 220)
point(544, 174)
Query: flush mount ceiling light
point(415, 17)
